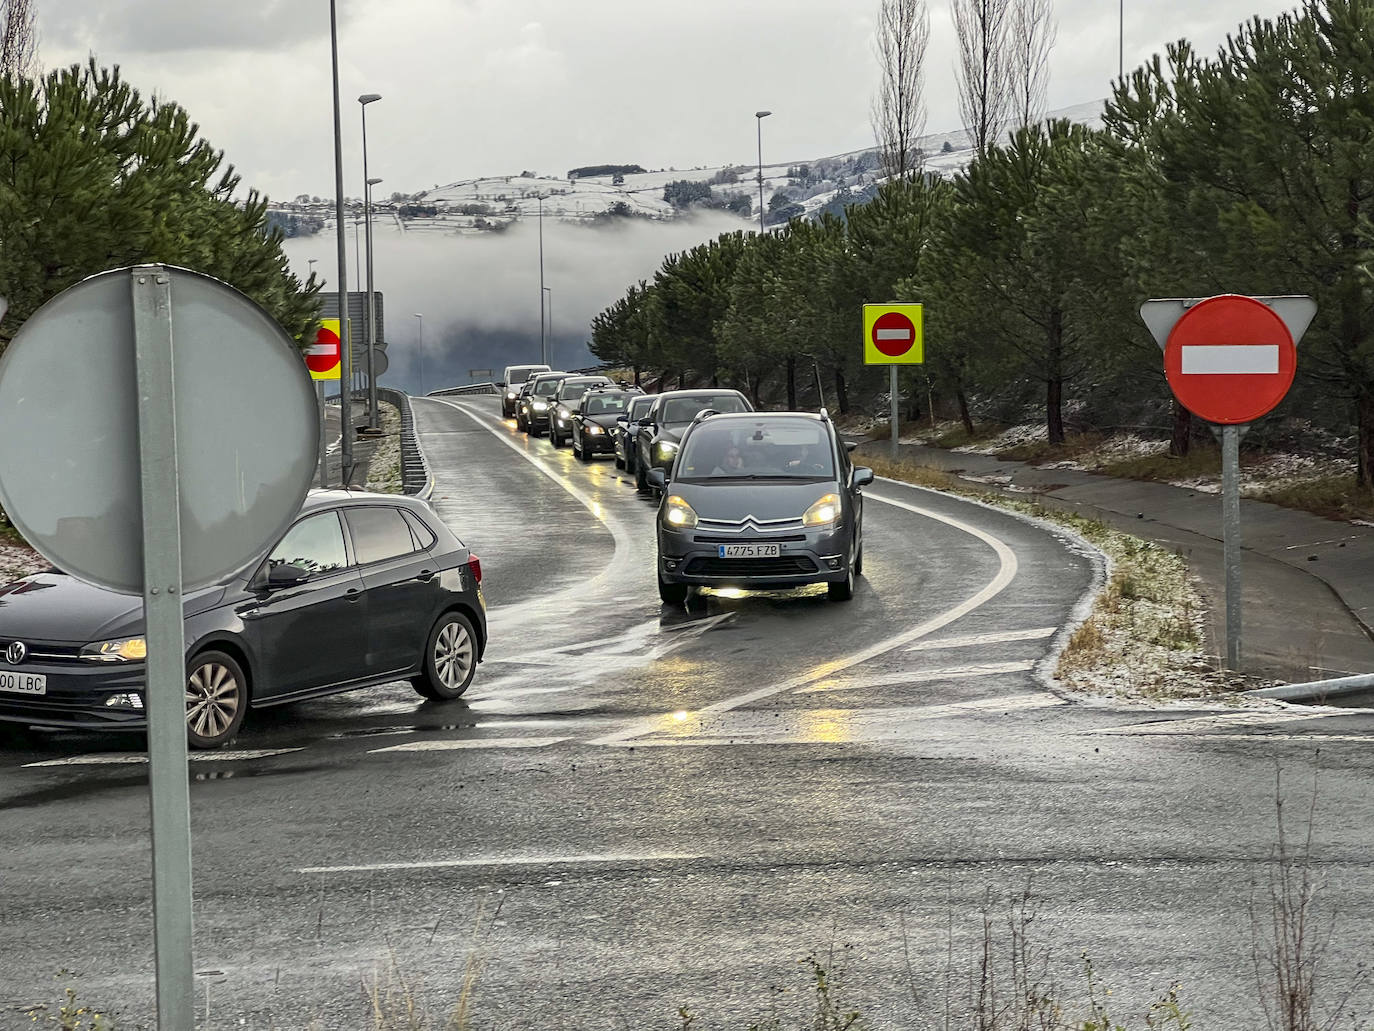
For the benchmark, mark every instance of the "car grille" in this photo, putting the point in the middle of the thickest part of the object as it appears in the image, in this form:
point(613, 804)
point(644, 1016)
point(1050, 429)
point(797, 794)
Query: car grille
point(41, 651)
point(787, 565)
point(750, 523)
point(799, 537)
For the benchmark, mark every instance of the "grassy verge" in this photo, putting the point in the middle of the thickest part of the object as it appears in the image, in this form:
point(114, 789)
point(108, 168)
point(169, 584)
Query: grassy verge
point(1142, 639)
point(384, 468)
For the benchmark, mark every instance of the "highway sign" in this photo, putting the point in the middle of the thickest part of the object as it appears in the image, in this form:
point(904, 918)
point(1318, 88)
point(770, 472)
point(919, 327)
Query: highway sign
point(1230, 359)
point(324, 355)
point(893, 334)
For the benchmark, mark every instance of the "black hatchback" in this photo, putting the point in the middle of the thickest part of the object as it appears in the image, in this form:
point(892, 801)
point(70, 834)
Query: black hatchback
point(363, 589)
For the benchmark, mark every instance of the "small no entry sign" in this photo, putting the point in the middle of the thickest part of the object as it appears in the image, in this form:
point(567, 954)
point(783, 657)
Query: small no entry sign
point(893, 334)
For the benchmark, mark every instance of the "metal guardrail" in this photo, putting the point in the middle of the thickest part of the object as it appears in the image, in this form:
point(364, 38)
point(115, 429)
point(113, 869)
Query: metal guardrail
point(416, 478)
point(471, 388)
point(1317, 690)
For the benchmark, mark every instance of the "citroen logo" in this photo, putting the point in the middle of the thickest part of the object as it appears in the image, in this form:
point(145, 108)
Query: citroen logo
point(16, 653)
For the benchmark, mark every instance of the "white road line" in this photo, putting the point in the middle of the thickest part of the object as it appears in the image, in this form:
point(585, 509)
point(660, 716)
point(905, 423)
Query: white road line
point(1230, 359)
point(621, 564)
point(1201, 724)
point(470, 743)
point(1006, 572)
point(969, 640)
point(482, 861)
point(123, 758)
point(986, 669)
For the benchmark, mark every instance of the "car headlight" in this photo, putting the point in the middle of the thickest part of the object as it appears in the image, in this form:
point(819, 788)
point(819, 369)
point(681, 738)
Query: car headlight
point(677, 514)
point(594, 430)
point(540, 406)
point(125, 649)
point(510, 395)
point(665, 448)
point(823, 512)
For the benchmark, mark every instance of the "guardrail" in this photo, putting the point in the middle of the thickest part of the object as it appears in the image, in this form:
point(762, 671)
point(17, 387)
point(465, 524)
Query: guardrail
point(416, 478)
point(471, 388)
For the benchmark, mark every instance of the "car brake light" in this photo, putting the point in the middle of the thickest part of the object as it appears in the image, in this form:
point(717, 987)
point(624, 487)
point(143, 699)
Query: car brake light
point(475, 564)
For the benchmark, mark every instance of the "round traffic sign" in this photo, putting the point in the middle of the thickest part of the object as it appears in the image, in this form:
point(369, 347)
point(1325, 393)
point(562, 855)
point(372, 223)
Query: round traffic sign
point(325, 352)
point(894, 334)
point(247, 434)
point(1230, 359)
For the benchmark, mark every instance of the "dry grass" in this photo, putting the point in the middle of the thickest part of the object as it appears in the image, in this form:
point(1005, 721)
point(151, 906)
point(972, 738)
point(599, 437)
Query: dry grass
point(1336, 497)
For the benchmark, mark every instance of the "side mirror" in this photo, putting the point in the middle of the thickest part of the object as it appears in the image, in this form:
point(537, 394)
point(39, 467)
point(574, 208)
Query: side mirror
point(500, 383)
point(645, 422)
point(286, 575)
point(862, 477)
point(850, 445)
point(656, 478)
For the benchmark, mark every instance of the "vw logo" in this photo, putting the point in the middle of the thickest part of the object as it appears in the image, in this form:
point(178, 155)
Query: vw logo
point(16, 653)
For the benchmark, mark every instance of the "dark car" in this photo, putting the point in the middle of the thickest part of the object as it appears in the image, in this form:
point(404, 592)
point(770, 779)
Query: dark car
point(761, 501)
point(532, 415)
point(514, 378)
point(565, 399)
point(363, 589)
point(625, 428)
point(658, 433)
point(594, 419)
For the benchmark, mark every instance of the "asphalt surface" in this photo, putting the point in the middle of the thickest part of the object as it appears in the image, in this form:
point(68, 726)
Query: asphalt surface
point(638, 809)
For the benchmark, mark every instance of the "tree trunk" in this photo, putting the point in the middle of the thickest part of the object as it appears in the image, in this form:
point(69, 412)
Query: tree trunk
point(962, 401)
point(791, 384)
point(1054, 378)
point(1182, 439)
point(1364, 474)
point(841, 392)
point(636, 368)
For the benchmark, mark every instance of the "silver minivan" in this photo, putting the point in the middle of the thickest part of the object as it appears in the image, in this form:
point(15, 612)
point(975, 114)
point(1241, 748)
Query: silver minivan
point(511, 381)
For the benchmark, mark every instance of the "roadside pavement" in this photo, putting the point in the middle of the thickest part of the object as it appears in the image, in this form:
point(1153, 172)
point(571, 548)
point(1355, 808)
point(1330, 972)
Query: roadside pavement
point(1307, 582)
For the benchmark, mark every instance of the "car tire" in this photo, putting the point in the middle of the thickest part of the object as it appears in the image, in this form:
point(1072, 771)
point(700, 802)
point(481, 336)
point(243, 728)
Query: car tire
point(641, 484)
point(450, 659)
point(619, 462)
point(672, 594)
point(216, 699)
point(554, 438)
point(859, 562)
point(842, 590)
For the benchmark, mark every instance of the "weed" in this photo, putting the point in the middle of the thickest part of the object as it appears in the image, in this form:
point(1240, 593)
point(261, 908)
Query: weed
point(71, 1015)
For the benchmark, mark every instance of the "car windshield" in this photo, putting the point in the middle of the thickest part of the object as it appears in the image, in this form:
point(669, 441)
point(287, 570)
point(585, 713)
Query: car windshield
point(520, 373)
point(767, 448)
point(685, 409)
point(605, 404)
point(546, 388)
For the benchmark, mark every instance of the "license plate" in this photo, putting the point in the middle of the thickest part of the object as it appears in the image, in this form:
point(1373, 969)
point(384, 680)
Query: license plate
point(23, 683)
point(749, 551)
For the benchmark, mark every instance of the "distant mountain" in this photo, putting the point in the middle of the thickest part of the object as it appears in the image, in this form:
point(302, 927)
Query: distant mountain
point(494, 203)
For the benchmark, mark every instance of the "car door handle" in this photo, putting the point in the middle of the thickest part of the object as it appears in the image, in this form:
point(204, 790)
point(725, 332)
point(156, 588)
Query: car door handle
point(426, 575)
point(353, 594)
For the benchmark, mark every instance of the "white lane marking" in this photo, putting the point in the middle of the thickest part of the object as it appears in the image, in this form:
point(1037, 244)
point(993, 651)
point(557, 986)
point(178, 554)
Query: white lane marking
point(1215, 721)
point(969, 640)
point(1006, 572)
point(120, 759)
point(986, 669)
point(622, 563)
point(471, 743)
point(561, 861)
point(1230, 359)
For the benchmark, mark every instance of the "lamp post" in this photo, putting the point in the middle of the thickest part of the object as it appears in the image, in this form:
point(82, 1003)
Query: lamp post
point(759, 116)
point(311, 263)
point(548, 290)
point(420, 349)
point(346, 373)
point(363, 101)
point(543, 340)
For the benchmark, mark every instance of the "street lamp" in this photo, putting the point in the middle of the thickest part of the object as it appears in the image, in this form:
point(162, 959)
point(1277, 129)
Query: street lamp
point(311, 263)
point(346, 373)
point(759, 116)
point(549, 291)
point(421, 350)
point(543, 340)
point(363, 101)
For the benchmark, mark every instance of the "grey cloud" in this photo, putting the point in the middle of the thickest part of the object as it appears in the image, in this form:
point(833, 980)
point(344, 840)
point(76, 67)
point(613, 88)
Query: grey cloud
point(164, 26)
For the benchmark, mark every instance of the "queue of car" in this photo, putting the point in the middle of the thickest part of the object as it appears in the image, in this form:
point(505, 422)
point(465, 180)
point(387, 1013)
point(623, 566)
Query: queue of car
point(747, 499)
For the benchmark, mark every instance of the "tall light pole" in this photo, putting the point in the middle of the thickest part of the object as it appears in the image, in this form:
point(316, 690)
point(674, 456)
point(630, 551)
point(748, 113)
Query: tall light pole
point(363, 101)
point(311, 263)
point(759, 116)
point(543, 340)
point(1121, 43)
point(420, 349)
point(548, 290)
point(346, 373)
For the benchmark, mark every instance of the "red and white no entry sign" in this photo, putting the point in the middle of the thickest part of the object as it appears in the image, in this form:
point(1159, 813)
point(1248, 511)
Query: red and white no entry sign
point(894, 334)
point(323, 355)
point(1230, 359)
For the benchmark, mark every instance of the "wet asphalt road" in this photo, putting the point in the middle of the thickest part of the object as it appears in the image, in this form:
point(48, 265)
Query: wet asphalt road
point(637, 809)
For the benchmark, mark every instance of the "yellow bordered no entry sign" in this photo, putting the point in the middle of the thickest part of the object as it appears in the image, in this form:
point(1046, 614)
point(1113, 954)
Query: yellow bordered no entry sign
point(893, 334)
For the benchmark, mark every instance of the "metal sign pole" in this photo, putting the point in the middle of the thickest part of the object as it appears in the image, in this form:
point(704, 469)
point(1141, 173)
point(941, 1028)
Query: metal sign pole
point(324, 445)
point(893, 368)
point(165, 694)
point(1230, 533)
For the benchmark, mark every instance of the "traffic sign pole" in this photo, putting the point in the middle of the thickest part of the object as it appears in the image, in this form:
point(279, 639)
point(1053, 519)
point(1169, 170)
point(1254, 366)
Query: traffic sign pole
point(893, 369)
point(165, 694)
point(1230, 535)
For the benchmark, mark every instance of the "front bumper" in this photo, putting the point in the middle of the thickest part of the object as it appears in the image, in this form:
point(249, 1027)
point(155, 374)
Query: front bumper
point(538, 420)
point(75, 698)
point(595, 443)
point(806, 556)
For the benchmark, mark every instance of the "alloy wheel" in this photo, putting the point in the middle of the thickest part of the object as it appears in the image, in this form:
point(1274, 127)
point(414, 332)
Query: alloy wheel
point(213, 699)
point(453, 655)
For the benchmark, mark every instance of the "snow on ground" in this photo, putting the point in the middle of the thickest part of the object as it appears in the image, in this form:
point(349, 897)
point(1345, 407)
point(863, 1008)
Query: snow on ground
point(18, 560)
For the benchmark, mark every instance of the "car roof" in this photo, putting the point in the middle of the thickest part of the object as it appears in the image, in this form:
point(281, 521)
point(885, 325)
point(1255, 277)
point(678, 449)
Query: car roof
point(335, 496)
point(704, 392)
point(737, 416)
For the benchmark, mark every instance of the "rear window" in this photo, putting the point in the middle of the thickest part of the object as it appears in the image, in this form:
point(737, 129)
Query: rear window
point(379, 533)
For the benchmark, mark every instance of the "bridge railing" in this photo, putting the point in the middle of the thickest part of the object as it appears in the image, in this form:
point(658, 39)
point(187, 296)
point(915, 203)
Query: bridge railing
point(416, 478)
point(471, 388)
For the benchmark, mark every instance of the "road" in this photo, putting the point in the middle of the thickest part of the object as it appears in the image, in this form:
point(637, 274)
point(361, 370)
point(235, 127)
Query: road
point(638, 809)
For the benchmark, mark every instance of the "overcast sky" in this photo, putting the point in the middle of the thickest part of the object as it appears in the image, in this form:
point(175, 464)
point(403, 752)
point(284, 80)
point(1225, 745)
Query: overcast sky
point(483, 87)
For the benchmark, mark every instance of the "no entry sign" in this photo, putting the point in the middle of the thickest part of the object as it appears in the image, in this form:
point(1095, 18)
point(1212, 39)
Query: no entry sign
point(323, 355)
point(893, 334)
point(1230, 359)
